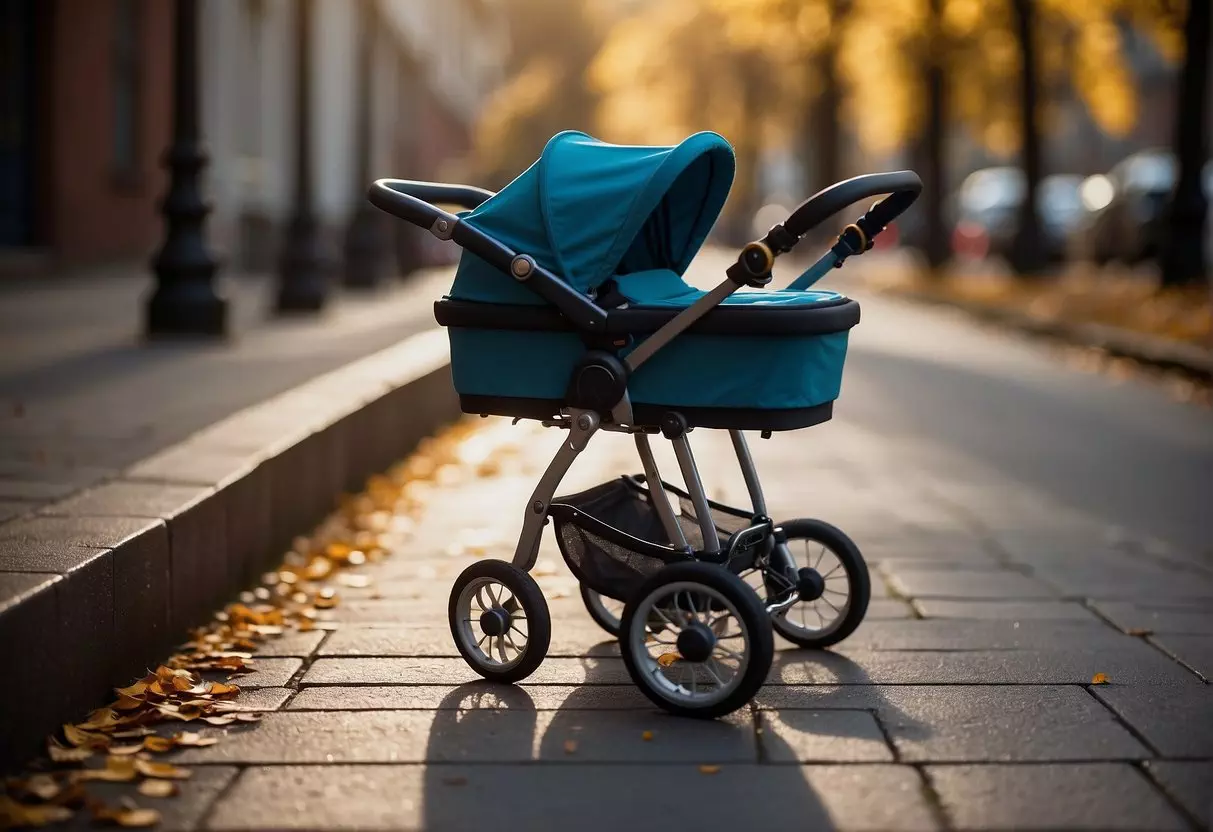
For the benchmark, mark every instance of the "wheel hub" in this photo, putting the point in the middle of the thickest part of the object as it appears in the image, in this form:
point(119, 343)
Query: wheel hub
point(495, 622)
point(695, 642)
point(810, 584)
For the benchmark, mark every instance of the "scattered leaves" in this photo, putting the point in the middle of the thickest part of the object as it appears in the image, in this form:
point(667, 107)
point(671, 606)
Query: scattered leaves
point(1099, 679)
point(16, 815)
point(158, 788)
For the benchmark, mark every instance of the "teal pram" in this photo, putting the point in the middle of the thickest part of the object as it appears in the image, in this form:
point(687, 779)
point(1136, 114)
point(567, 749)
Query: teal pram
point(569, 307)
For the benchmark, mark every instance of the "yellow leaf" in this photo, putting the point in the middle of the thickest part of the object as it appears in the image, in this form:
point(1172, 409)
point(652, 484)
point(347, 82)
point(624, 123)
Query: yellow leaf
point(647, 736)
point(1140, 631)
point(1099, 679)
point(667, 659)
point(17, 815)
point(158, 744)
point(125, 750)
point(189, 739)
point(570, 746)
point(158, 788)
point(135, 690)
point(117, 770)
point(709, 769)
point(164, 771)
point(42, 786)
point(61, 754)
point(78, 737)
point(127, 815)
point(220, 689)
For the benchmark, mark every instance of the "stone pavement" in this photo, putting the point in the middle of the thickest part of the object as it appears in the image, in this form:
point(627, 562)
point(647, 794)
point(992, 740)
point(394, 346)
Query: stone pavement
point(81, 398)
point(964, 701)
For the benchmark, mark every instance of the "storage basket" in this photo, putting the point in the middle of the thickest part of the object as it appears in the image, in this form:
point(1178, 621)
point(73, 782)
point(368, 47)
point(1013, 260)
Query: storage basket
point(612, 538)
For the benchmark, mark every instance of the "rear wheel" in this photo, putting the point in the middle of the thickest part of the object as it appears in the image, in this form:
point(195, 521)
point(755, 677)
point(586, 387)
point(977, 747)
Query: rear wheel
point(715, 647)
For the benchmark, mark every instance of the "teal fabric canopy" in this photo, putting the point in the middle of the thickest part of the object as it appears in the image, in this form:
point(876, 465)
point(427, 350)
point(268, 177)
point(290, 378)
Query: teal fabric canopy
point(588, 210)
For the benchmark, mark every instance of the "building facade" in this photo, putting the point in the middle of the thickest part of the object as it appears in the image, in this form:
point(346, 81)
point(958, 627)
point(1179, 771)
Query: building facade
point(86, 115)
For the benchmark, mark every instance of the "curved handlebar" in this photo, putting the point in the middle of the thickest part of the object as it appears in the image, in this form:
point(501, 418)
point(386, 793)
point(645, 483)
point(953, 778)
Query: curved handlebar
point(415, 201)
point(903, 187)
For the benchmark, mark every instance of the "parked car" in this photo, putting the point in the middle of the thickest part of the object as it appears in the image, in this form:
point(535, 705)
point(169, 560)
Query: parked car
point(987, 211)
point(1124, 209)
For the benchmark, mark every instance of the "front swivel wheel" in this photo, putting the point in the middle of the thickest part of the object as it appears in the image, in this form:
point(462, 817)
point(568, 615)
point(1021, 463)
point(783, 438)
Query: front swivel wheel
point(499, 620)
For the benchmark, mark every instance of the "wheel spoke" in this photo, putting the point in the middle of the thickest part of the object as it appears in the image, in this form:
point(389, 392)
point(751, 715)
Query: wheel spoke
point(831, 603)
point(515, 629)
point(827, 575)
point(501, 649)
point(666, 618)
point(707, 669)
point(496, 600)
point(820, 555)
point(728, 652)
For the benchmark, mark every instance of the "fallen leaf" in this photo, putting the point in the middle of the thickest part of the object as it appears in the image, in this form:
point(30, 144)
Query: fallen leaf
point(570, 746)
point(87, 739)
point(117, 770)
point(61, 754)
point(164, 771)
point(1140, 631)
point(667, 659)
point(42, 786)
point(158, 744)
point(1099, 679)
point(127, 703)
point(219, 720)
point(189, 739)
point(220, 689)
point(158, 788)
point(647, 736)
point(709, 769)
point(17, 815)
point(125, 750)
point(126, 815)
point(99, 720)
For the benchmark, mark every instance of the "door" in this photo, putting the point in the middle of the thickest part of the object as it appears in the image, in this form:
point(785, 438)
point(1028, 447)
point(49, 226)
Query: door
point(17, 107)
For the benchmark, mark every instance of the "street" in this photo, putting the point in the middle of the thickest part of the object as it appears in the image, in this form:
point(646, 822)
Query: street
point(1030, 531)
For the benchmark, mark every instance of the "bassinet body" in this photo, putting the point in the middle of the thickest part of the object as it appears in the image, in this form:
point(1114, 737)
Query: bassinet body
point(622, 225)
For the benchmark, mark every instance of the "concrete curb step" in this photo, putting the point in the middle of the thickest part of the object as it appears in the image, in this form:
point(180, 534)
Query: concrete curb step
point(98, 586)
point(1148, 349)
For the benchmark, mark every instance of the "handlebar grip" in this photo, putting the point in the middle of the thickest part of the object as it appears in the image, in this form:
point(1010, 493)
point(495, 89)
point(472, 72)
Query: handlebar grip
point(413, 201)
point(904, 186)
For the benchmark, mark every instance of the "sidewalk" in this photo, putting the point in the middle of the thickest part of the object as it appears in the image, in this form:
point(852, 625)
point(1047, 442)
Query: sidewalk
point(141, 484)
point(964, 701)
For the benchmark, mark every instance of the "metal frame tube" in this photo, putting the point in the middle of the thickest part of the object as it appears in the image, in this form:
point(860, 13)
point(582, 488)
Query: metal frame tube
point(661, 500)
point(690, 475)
point(749, 472)
point(680, 322)
point(582, 425)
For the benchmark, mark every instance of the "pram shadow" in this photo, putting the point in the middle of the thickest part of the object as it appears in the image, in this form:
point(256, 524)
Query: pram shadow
point(599, 755)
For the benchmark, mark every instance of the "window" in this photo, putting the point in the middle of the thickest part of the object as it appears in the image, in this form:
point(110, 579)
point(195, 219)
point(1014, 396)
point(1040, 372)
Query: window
point(125, 135)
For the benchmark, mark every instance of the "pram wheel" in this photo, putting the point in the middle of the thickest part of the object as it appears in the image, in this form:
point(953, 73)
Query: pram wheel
point(834, 577)
point(499, 620)
point(606, 612)
point(715, 648)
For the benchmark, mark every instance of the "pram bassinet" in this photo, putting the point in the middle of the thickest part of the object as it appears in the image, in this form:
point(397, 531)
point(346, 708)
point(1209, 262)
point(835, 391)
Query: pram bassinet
point(621, 225)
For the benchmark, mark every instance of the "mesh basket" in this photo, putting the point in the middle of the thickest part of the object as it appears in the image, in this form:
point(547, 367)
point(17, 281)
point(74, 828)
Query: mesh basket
point(612, 538)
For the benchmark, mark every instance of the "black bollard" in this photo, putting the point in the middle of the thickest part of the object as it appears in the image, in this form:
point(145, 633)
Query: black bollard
point(185, 301)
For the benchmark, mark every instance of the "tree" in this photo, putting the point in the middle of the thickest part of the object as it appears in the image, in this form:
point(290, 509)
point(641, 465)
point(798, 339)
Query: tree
point(1182, 257)
point(1027, 249)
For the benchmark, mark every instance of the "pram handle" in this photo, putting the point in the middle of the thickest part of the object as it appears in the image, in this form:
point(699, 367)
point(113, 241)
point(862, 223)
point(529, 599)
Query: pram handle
point(410, 201)
point(754, 264)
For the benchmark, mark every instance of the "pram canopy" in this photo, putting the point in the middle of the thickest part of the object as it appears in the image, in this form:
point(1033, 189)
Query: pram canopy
point(588, 210)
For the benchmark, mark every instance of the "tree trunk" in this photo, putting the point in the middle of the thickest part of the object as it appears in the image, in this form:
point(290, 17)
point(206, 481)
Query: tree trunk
point(1027, 249)
point(821, 150)
point(935, 232)
point(1182, 254)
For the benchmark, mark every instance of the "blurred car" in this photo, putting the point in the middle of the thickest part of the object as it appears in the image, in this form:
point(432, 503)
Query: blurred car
point(1124, 209)
point(987, 211)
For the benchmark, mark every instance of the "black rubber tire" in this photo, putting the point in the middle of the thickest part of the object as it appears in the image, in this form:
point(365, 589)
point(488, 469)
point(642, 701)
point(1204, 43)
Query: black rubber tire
point(611, 626)
point(530, 597)
point(750, 610)
point(860, 583)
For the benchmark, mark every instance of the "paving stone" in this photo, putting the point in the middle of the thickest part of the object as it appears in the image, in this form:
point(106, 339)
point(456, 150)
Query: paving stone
point(260, 699)
point(584, 797)
point(827, 736)
point(291, 643)
point(582, 639)
point(889, 609)
point(967, 584)
point(1195, 651)
point(1189, 784)
point(491, 735)
point(34, 491)
point(1136, 583)
point(1008, 634)
point(426, 671)
point(1133, 663)
point(45, 544)
point(270, 673)
point(1174, 720)
point(471, 695)
point(182, 813)
point(1193, 617)
point(1004, 610)
point(1099, 796)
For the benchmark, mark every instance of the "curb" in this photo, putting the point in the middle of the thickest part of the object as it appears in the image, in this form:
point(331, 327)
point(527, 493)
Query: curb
point(98, 586)
point(1148, 349)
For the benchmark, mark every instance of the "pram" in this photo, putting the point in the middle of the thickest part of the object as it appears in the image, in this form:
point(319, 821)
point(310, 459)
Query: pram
point(569, 307)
